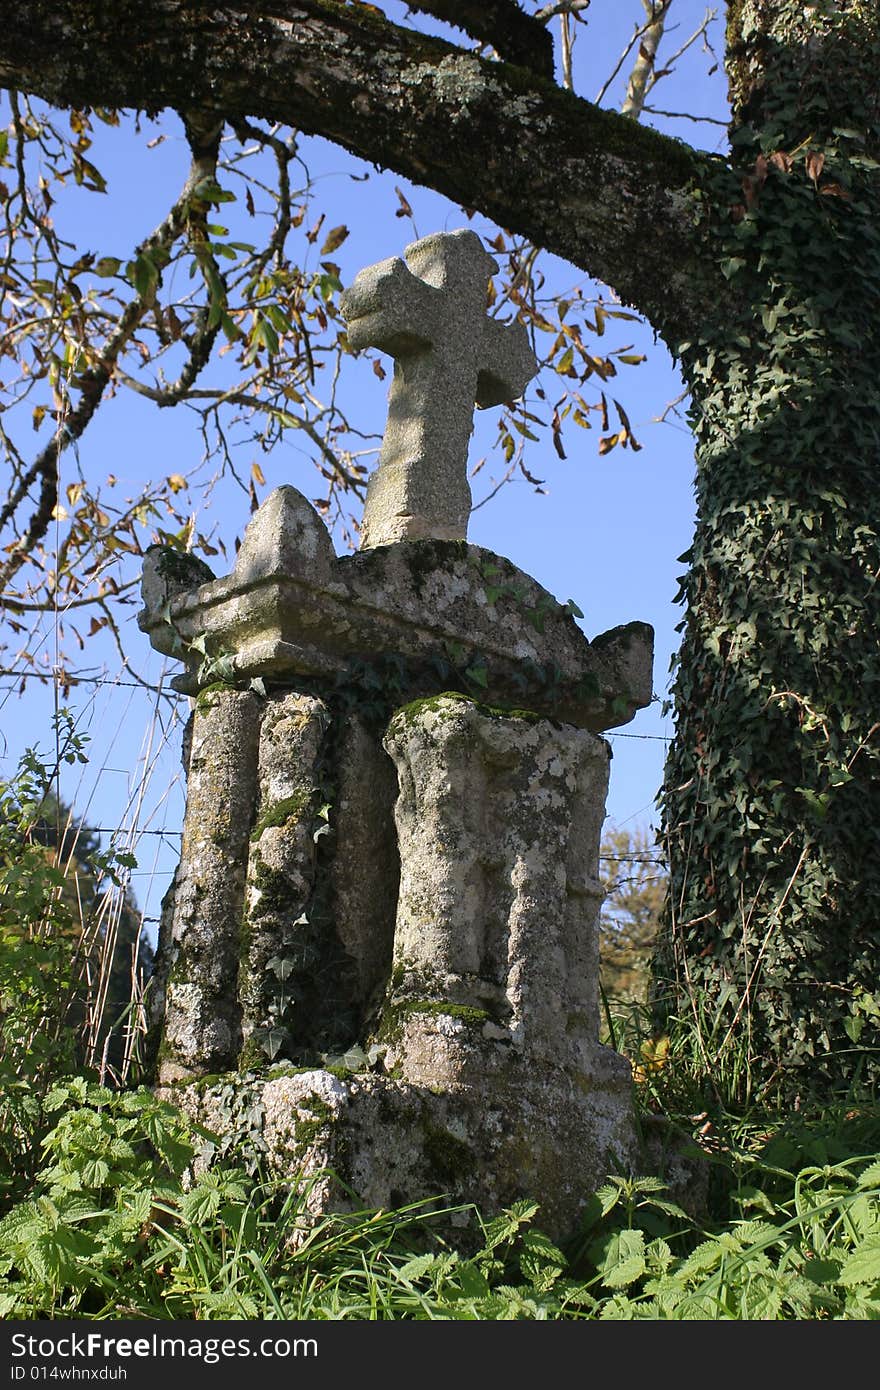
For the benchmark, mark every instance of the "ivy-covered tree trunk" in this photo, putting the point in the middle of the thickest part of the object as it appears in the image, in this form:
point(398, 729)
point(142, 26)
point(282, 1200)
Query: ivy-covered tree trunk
point(772, 797)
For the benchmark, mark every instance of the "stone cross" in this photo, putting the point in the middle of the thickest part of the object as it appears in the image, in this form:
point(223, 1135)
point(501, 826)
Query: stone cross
point(430, 315)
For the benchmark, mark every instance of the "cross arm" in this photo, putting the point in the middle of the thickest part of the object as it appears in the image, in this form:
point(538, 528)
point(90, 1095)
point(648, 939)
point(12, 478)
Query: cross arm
point(388, 307)
point(507, 348)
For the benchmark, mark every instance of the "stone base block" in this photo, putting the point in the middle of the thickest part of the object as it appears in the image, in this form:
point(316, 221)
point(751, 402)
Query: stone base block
point(370, 1139)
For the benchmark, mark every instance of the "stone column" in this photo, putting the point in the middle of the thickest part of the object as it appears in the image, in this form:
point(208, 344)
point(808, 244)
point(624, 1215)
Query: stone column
point(365, 871)
point(498, 819)
point(202, 1014)
point(279, 945)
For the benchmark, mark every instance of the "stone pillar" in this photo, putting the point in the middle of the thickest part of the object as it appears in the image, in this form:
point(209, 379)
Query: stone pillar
point(498, 819)
point(279, 946)
point(202, 1013)
point(365, 872)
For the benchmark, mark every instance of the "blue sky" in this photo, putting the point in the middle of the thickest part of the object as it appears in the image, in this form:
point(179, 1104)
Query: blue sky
point(606, 531)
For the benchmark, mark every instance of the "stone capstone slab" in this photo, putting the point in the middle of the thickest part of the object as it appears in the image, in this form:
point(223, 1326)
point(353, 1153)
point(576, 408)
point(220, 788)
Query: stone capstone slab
point(434, 615)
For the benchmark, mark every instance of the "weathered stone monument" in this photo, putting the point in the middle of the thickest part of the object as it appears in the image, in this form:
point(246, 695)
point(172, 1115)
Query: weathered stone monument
point(379, 956)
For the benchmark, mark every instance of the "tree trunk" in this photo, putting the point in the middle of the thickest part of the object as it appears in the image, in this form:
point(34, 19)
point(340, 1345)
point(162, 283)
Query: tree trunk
point(772, 793)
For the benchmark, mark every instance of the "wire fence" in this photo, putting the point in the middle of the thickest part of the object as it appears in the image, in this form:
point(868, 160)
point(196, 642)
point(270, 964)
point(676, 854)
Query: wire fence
point(69, 681)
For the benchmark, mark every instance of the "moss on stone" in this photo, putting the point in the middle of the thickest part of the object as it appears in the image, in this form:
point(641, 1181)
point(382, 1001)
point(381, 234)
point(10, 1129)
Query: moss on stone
point(305, 1132)
point(408, 714)
point(449, 1157)
point(317, 1107)
point(206, 699)
point(426, 558)
point(274, 888)
point(466, 1012)
point(289, 808)
point(395, 1012)
point(251, 1056)
point(341, 1073)
point(197, 1084)
point(181, 568)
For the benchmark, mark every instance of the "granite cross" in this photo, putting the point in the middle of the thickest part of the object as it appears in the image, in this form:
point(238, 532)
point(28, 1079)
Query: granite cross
point(430, 315)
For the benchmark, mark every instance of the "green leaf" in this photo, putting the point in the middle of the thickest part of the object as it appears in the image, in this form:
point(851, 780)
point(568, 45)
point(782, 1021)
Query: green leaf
point(142, 274)
point(609, 1195)
point(330, 285)
point(821, 1271)
point(265, 334)
point(863, 1265)
point(478, 675)
point(273, 1041)
point(209, 191)
point(473, 1283)
point(200, 1205)
point(870, 1177)
point(278, 318)
point(416, 1268)
point(624, 1260)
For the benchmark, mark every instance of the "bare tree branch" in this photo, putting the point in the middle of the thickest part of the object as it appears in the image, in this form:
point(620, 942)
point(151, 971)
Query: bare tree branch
point(203, 133)
point(643, 68)
point(574, 7)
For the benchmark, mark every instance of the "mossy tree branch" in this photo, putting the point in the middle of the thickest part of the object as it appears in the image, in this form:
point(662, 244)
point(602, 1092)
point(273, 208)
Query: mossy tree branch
point(599, 190)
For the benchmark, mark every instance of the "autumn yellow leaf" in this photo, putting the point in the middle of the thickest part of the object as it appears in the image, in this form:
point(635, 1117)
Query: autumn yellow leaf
point(176, 482)
point(335, 237)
